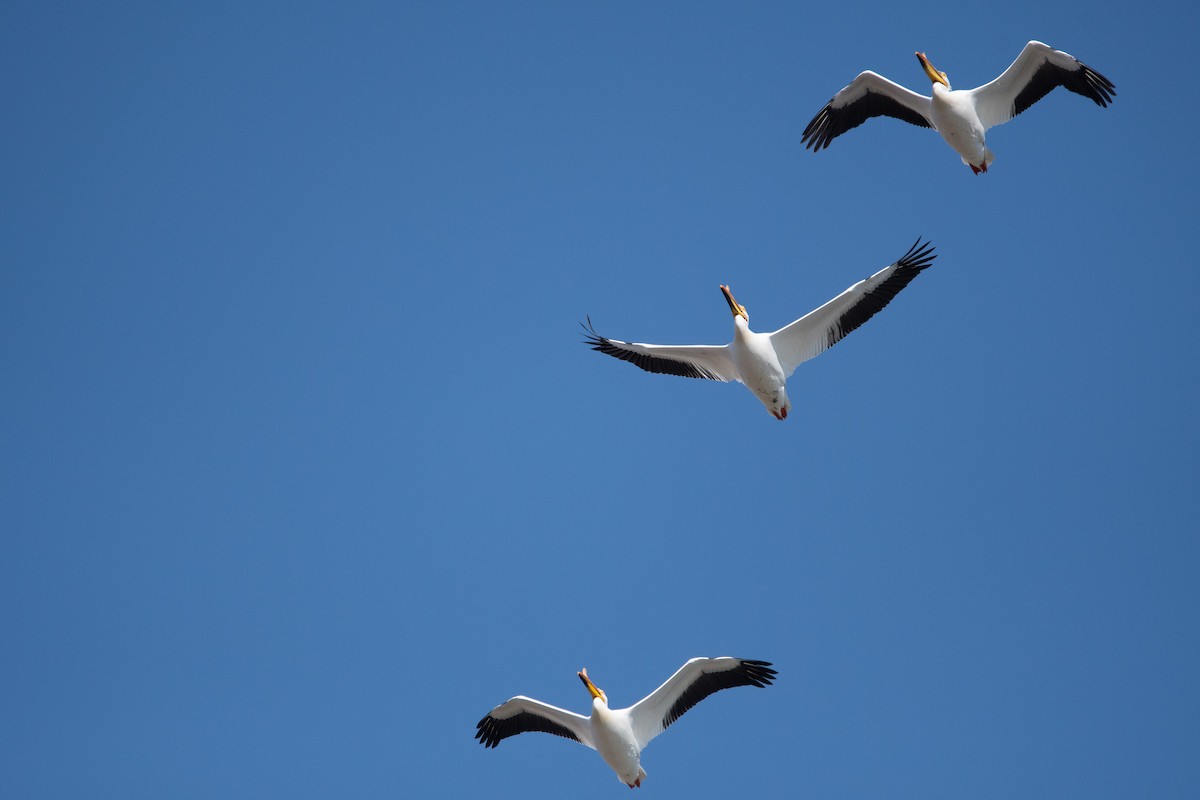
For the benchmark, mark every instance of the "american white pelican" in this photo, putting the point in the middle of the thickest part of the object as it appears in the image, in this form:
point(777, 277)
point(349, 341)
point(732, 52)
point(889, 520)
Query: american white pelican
point(960, 116)
point(621, 734)
point(763, 361)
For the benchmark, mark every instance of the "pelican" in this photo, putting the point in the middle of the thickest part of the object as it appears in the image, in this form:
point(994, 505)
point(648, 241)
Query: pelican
point(763, 361)
point(621, 734)
point(961, 116)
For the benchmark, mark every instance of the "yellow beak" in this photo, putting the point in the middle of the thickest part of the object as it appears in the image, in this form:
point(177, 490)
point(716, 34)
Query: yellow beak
point(934, 75)
point(737, 308)
point(591, 687)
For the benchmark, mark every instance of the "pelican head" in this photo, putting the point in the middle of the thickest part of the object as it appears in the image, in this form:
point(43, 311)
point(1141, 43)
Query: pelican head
point(932, 72)
point(737, 308)
point(595, 691)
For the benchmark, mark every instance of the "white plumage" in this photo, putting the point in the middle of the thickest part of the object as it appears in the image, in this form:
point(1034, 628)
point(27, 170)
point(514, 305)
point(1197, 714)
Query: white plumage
point(764, 361)
point(961, 116)
point(620, 734)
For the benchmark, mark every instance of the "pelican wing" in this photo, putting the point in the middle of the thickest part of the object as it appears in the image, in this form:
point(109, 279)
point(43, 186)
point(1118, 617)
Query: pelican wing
point(1038, 69)
point(712, 362)
point(868, 95)
point(818, 330)
point(523, 714)
point(690, 684)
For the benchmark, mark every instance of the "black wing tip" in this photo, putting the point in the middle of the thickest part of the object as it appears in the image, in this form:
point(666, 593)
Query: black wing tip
point(817, 135)
point(1102, 89)
point(591, 338)
point(1091, 84)
point(759, 673)
point(486, 733)
point(823, 129)
point(918, 257)
point(602, 343)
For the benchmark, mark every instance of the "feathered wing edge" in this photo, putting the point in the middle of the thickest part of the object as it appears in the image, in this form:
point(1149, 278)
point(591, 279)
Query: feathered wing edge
point(691, 683)
point(822, 328)
point(524, 714)
point(868, 95)
point(710, 362)
point(1037, 71)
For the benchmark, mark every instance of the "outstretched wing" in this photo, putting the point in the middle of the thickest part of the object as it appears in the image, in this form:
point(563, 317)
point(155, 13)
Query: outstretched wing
point(690, 684)
point(818, 330)
point(712, 362)
point(868, 95)
point(1036, 72)
point(523, 714)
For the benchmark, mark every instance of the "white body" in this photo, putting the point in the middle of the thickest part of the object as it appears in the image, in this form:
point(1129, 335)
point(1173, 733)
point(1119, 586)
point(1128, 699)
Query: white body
point(759, 368)
point(613, 736)
point(955, 117)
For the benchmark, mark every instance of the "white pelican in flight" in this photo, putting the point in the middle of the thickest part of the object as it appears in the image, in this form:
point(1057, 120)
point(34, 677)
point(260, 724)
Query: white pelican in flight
point(621, 734)
point(963, 115)
point(763, 361)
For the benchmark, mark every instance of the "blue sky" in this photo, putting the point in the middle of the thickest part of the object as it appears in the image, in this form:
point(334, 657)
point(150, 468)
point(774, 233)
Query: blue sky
point(306, 467)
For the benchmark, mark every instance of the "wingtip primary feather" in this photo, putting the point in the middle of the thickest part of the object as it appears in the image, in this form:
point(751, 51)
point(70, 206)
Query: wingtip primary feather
point(759, 672)
point(593, 339)
point(485, 732)
point(918, 257)
point(1103, 90)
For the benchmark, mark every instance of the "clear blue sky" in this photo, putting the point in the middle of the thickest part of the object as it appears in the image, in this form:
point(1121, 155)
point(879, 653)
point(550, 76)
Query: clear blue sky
point(305, 466)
